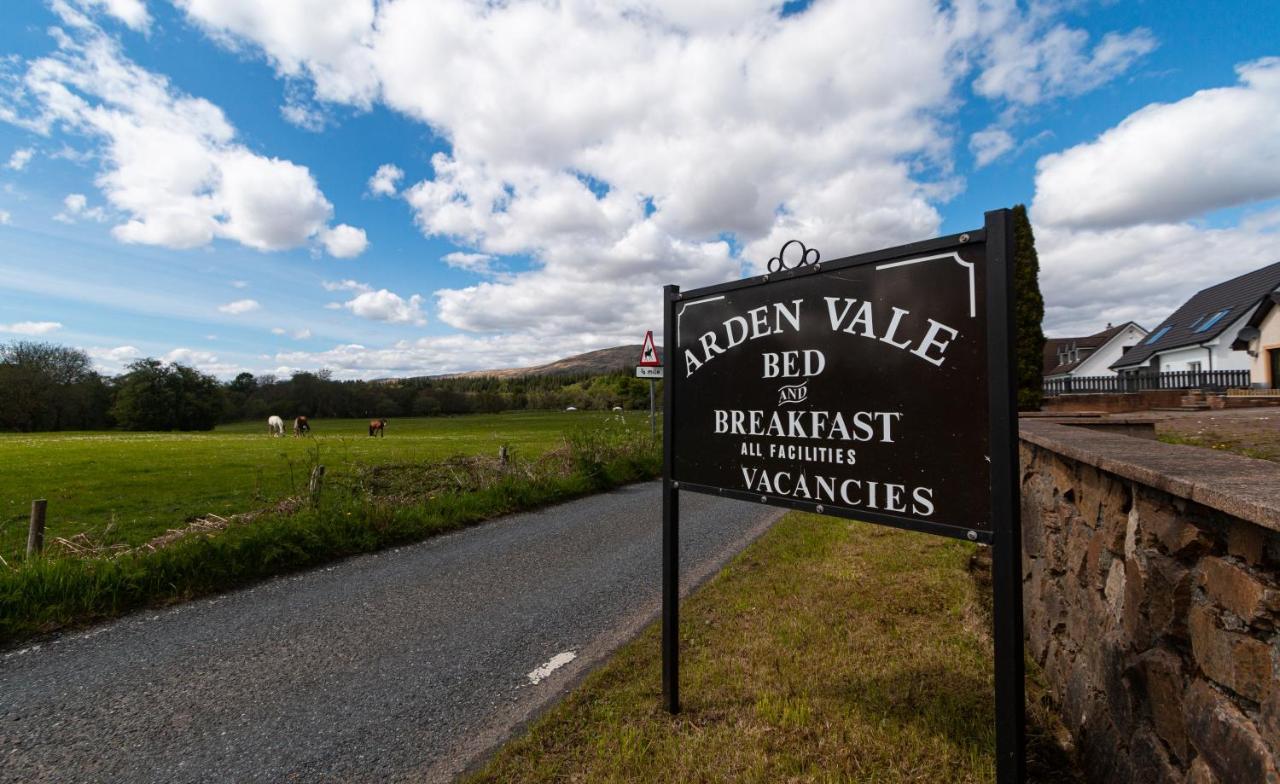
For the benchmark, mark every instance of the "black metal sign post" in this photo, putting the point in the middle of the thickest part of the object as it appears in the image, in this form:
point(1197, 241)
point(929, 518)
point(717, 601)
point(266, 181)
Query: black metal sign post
point(1006, 547)
point(670, 522)
point(877, 387)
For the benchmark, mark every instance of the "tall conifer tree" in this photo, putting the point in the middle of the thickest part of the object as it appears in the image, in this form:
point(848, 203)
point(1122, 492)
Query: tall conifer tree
point(1028, 313)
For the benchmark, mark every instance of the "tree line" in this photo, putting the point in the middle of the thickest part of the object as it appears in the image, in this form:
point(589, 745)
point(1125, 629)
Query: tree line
point(45, 386)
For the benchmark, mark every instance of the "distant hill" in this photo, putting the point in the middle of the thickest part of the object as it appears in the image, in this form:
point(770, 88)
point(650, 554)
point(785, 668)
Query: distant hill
point(605, 360)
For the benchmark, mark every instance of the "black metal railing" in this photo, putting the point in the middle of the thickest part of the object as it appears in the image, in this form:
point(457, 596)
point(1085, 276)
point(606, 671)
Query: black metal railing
point(1209, 380)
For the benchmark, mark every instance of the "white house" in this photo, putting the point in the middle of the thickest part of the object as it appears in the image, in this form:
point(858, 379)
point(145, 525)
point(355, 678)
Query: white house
point(1200, 334)
point(1091, 355)
point(1260, 341)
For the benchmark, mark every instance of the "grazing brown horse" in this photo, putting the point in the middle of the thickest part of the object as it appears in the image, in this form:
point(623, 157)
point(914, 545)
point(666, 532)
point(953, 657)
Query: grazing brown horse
point(300, 426)
point(378, 427)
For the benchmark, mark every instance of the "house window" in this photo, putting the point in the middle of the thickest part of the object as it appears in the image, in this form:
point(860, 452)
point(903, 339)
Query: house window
point(1194, 367)
point(1214, 319)
point(1159, 333)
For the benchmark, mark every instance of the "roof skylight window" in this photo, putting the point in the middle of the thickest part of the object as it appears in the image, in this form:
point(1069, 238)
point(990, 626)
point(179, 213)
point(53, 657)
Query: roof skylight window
point(1214, 319)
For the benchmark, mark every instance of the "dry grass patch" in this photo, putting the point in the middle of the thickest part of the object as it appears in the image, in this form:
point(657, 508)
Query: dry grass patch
point(1259, 448)
point(829, 651)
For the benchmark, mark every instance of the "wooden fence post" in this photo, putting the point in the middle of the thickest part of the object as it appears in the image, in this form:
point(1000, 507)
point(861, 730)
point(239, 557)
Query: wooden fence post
point(314, 485)
point(502, 454)
point(35, 532)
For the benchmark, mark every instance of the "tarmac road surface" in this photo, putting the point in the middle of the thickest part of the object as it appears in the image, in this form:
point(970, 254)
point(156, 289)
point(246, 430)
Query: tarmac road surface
point(408, 664)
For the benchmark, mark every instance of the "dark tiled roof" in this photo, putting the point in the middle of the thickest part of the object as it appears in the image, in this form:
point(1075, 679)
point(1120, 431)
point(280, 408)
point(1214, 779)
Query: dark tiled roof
point(1089, 343)
point(1235, 296)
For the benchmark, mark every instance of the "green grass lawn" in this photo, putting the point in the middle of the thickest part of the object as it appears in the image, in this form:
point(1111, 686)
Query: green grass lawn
point(828, 651)
point(130, 487)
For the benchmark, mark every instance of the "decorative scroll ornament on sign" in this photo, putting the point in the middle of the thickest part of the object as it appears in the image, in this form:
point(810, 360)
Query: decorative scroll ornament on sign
point(807, 257)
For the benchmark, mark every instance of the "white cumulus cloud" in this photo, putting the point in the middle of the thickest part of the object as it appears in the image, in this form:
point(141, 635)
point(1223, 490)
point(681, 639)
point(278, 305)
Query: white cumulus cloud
point(76, 207)
point(304, 115)
point(20, 158)
point(385, 181)
point(989, 145)
point(1119, 220)
point(324, 40)
point(204, 361)
point(664, 141)
point(31, 327)
point(113, 360)
point(384, 305)
point(1029, 57)
point(344, 242)
point(132, 12)
point(479, 263)
point(240, 306)
point(1143, 272)
point(655, 142)
point(172, 163)
point(1168, 162)
point(433, 355)
point(345, 285)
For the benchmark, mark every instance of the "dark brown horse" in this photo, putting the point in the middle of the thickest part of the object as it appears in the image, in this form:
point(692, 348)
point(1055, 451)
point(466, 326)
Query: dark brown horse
point(300, 426)
point(378, 427)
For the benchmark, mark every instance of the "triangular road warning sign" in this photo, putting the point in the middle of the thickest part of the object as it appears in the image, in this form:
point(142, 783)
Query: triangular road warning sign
point(649, 354)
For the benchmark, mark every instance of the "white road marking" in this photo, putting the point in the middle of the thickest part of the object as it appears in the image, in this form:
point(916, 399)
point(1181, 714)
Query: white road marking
point(556, 662)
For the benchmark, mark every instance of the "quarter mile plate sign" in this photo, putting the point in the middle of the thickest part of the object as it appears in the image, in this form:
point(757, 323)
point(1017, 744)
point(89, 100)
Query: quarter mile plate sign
point(856, 387)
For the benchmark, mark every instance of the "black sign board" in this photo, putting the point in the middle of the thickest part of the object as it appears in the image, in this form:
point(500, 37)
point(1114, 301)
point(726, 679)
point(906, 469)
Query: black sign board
point(877, 387)
point(856, 386)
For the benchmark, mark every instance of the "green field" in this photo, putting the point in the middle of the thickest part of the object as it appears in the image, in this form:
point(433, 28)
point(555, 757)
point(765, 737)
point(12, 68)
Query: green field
point(130, 487)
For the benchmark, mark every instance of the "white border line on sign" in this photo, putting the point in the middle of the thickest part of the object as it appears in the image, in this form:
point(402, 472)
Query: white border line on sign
point(689, 305)
point(973, 294)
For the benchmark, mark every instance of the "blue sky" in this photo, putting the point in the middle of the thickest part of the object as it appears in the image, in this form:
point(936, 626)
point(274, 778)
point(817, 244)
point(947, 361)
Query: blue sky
point(192, 180)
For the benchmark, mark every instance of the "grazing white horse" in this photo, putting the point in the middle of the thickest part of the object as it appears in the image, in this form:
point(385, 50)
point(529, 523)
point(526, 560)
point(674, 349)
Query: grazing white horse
point(275, 426)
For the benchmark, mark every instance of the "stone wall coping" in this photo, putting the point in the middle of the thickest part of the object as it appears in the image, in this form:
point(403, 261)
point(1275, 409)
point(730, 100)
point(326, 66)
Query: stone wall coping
point(1061, 415)
point(1238, 486)
point(1114, 419)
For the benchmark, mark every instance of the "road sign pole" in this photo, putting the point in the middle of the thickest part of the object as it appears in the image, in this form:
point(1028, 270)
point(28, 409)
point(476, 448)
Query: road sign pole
point(1006, 552)
point(653, 411)
point(670, 527)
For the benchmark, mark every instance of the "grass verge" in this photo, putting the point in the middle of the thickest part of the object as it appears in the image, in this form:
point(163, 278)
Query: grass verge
point(827, 651)
point(386, 505)
point(1254, 448)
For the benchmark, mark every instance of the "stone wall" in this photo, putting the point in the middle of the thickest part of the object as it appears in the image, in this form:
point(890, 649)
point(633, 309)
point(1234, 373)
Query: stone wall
point(1152, 603)
point(1242, 401)
point(1113, 403)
